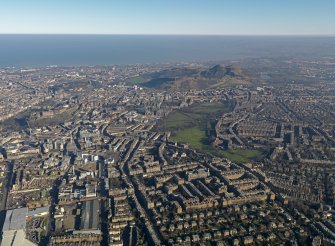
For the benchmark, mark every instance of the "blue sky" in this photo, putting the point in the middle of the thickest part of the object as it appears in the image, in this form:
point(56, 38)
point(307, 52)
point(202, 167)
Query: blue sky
point(201, 17)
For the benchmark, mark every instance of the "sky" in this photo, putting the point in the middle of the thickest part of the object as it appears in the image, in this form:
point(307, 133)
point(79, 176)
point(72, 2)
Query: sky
point(180, 17)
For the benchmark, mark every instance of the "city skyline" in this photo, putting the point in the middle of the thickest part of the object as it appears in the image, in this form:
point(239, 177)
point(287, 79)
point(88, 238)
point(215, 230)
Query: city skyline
point(169, 18)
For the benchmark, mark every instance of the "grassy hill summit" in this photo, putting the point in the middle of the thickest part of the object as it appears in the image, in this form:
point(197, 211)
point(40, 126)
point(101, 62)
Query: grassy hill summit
point(221, 72)
point(185, 78)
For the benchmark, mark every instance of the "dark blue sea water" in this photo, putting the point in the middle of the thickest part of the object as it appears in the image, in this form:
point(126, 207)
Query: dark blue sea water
point(41, 50)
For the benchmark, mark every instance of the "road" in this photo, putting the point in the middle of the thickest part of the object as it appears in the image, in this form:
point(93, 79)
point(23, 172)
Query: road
point(148, 224)
point(231, 130)
point(5, 190)
point(54, 201)
point(7, 185)
point(132, 236)
point(103, 203)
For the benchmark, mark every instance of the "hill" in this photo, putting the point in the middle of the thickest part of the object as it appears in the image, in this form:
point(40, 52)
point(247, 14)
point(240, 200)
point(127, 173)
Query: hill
point(183, 79)
point(220, 72)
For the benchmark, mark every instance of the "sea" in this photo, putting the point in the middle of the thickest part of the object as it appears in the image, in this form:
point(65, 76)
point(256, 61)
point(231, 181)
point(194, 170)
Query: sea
point(77, 50)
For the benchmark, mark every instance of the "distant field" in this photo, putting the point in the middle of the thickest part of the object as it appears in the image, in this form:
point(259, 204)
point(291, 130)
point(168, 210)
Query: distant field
point(53, 120)
point(206, 108)
point(178, 119)
point(240, 155)
point(196, 115)
point(191, 126)
point(197, 139)
point(194, 136)
point(136, 80)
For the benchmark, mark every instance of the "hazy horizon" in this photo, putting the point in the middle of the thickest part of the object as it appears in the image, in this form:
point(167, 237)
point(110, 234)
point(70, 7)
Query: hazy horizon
point(20, 50)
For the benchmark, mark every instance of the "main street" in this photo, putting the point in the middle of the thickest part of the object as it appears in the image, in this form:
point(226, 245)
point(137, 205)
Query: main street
point(5, 190)
point(153, 234)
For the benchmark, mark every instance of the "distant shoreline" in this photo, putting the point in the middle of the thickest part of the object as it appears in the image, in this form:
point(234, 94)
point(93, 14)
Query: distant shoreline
point(37, 50)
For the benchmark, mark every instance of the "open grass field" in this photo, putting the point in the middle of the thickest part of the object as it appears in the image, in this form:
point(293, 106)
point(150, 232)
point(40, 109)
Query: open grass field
point(178, 120)
point(240, 155)
point(194, 136)
point(196, 115)
point(136, 80)
point(190, 126)
point(197, 139)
